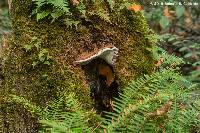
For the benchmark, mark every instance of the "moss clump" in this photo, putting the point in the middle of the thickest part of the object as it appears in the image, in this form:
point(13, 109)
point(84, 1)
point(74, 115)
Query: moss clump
point(126, 30)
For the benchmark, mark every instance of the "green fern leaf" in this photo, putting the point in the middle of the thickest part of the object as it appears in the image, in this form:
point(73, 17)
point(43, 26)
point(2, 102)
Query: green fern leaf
point(62, 4)
point(111, 4)
point(41, 15)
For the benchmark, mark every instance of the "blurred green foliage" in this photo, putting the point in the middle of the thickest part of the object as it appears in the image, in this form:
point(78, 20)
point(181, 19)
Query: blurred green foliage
point(179, 29)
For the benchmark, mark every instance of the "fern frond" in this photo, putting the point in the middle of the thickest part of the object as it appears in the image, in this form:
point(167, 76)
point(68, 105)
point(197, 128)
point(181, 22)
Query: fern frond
point(41, 15)
point(66, 122)
point(148, 95)
point(183, 116)
point(169, 59)
point(62, 4)
point(101, 14)
point(65, 115)
point(60, 7)
point(110, 3)
point(70, 23)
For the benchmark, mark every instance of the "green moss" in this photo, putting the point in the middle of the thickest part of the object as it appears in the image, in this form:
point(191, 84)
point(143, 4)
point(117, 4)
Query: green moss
point(134, 41)
point(126, 30)
point(43, 81)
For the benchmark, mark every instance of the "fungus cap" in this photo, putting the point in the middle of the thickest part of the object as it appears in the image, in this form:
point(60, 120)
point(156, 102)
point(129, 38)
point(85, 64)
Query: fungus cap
point(108, 54)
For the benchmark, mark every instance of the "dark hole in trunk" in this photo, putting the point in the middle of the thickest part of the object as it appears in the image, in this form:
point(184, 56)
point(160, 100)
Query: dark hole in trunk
point(103, 85)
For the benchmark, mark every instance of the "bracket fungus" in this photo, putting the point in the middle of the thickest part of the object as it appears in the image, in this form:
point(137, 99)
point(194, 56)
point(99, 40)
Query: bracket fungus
point(108, 54)
point(98, 67)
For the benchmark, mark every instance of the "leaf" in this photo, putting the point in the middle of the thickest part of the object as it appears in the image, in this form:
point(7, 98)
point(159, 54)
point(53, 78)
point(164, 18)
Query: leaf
point(34, 63)
point(171, 39)
point(41, 54)
point(61, 4)
point(71, 23)
point(41, 15)
point(124, 5)
point(197, 53)
point(40, 3)
point(196, 64)
point(57, 13)
point(47, 62)
point(104, 16)
point(162, 110)
point(45, 75)
point(177, 43)
point(82, 9)
point(164, 22)
point(111, 4)
point(34, 39)
point(166, 12)
point(188, 55)
point(49, 57)
point(28, 47)
point(44, 51)
point(180, 11)
point(135, 8)
point(183, 49)
point(37, 45)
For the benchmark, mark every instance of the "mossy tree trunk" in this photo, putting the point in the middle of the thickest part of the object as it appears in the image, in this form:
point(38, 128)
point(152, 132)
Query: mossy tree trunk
point(40, 80)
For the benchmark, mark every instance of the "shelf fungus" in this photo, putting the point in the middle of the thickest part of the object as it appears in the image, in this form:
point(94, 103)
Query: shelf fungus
point(108, 54)
point(98, 67)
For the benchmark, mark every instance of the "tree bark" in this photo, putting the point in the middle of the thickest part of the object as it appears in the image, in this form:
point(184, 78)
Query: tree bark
point(128, 31)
